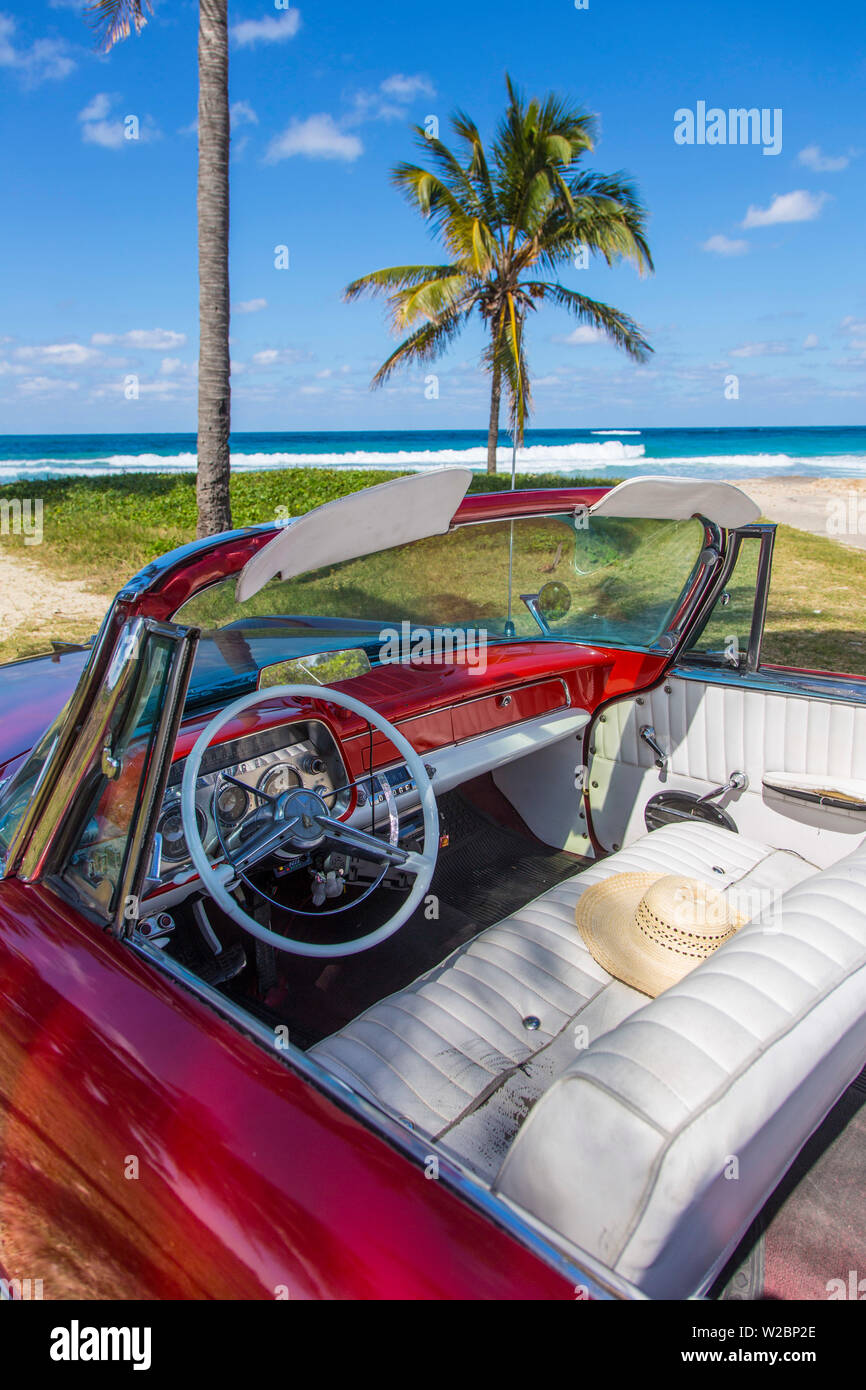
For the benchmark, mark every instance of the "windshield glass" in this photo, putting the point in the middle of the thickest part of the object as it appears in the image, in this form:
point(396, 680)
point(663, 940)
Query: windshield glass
point(563, 577)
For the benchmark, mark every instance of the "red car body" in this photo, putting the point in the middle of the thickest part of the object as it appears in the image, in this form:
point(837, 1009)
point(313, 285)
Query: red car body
point(150, 1149)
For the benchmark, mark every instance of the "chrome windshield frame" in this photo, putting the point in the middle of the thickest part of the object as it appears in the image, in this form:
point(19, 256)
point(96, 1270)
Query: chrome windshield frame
point(83, 741)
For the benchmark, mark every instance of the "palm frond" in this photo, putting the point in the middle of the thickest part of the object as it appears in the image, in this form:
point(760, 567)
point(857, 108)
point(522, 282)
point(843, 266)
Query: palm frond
point(113, 20)
point(622, 330)
point(395, 277)
point(424, 345)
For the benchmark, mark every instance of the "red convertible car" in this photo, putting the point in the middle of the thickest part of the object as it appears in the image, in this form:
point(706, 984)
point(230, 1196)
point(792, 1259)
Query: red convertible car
point(301, 995)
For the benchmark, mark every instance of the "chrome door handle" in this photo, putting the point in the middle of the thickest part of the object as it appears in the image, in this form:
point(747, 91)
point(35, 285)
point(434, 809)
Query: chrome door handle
point(737, 782)
point(648, 734)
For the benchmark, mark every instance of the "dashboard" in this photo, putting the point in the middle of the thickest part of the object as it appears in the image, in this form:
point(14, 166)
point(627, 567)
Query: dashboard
point(260, 765)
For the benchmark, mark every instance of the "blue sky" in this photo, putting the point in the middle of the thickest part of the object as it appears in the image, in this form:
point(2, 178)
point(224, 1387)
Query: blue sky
point(759, 257)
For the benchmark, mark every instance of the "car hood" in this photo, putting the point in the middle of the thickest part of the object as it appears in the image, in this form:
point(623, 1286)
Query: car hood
point(32, 692)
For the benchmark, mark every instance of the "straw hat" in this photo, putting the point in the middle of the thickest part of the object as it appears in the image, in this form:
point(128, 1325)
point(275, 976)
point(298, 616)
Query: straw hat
point(652, 929)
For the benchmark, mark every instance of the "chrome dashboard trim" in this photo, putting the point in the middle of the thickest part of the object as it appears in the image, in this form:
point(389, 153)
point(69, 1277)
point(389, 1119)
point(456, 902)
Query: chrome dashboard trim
point(474, 699)
point(600, 1282)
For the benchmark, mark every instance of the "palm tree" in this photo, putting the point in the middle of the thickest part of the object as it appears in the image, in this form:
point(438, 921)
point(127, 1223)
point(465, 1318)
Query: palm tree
point(508, 219)
point(114, 20)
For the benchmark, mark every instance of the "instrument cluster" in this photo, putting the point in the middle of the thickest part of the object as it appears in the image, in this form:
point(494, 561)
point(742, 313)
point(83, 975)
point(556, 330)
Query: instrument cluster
point(238, 778)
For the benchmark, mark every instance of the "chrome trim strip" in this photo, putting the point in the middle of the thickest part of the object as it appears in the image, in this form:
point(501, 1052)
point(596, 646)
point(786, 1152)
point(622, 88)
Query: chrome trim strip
point(81, 700)
point(796, 684)
point(600, 1282)
point(838, 801)
point(152, 793)
point(78, 758)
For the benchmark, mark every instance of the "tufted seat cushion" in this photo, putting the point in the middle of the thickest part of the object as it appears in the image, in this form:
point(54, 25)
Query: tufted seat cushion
point(464, 1051)
point(659, 1144)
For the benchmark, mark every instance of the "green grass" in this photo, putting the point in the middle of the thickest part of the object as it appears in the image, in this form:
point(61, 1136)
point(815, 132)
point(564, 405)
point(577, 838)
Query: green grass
point(102, 530)
point(105, 529)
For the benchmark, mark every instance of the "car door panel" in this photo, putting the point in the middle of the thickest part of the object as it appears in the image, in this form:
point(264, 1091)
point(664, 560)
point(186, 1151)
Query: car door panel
point(711, 727)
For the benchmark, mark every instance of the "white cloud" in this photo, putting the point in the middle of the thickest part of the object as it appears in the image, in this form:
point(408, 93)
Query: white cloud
point(46, 60)
point(241, 113)
point(158, 339)
point(97, 108)
point(798, 206)
point(856, 331)
point(405, 89)
point(726, 246)
point(584, 333)
point(317, 137)
point(59, 354)
point(99, 127)
point(45, 386)
point(269, 356)
point(271, 29)
point(249, 306)
point(390, 100)
point(810, 340)
point(760, 350)
point(812, 157)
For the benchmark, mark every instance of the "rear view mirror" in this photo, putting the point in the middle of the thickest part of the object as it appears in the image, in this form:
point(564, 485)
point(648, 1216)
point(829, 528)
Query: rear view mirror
point(553, 602)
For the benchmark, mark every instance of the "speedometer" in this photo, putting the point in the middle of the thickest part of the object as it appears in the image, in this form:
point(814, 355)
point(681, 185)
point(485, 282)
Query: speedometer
point(232, 803)
point(281, 778)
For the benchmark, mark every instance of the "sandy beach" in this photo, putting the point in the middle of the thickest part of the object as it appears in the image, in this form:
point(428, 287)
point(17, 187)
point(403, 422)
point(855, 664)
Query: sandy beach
point(31, 595)
point(808, 504)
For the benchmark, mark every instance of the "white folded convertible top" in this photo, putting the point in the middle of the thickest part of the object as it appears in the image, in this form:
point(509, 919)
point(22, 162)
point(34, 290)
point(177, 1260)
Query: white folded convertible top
point(417, 505)
point(677, 499)
point(393, 513)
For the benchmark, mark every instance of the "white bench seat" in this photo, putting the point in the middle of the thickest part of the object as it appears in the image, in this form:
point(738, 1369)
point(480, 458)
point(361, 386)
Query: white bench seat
point(463, 1052)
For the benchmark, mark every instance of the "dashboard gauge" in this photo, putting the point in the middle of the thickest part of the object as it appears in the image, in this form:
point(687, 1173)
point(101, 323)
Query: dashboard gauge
point(232, 803)
point(279, 779)
point(170, 827)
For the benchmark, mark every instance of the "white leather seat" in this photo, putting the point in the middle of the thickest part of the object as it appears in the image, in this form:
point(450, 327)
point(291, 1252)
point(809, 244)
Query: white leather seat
point(657, 1146)
point(464, 1052)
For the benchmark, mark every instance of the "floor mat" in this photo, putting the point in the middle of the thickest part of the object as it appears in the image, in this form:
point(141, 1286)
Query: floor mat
point(485, 872)
point(491, 870)
point(809, 1242)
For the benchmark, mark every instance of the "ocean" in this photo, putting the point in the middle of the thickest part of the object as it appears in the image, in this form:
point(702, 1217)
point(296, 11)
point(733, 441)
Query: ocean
point(729, 453)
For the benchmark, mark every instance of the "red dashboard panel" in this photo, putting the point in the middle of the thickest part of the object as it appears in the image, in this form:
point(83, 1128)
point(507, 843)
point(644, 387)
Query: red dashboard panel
point(439, 704)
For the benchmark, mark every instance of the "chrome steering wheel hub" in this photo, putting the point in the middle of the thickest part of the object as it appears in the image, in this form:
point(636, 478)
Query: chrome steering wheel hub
point(303, 809)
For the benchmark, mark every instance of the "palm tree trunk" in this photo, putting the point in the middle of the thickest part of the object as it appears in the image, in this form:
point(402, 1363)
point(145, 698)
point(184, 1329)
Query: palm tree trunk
point(493, 427)
point(214, 391)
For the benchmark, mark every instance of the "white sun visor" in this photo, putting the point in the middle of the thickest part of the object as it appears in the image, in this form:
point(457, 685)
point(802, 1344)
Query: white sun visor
point(677, 499)
point(403, 509)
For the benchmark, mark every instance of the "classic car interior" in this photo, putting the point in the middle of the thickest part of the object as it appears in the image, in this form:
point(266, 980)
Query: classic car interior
point(380, 855)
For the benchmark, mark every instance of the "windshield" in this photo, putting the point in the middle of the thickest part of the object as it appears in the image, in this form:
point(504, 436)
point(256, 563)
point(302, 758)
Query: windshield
point(563, 577)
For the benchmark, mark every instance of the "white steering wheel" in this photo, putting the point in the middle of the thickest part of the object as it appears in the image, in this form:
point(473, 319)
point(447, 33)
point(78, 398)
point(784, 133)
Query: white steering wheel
point(302, 821)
